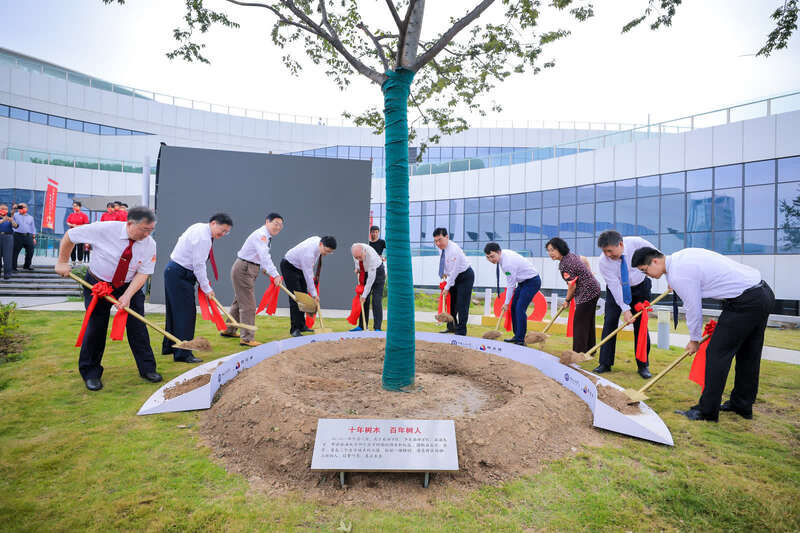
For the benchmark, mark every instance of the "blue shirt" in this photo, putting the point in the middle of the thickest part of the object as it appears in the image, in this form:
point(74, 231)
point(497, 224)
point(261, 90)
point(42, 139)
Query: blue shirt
point(25, 223)
point(5, 227)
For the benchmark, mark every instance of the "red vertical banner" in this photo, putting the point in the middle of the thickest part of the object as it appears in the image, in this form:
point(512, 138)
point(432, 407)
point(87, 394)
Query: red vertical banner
point(49, 215)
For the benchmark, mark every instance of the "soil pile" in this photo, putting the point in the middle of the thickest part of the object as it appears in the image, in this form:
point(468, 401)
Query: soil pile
point(509, 418)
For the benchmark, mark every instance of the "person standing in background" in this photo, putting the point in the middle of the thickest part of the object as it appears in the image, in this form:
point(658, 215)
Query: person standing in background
point(110, 213)
point(7, 225)
point(24, 236)
point(75, 219)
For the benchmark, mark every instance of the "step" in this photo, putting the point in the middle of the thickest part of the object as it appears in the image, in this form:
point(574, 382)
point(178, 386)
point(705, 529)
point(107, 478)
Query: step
point(30, 292)
point(9, 285)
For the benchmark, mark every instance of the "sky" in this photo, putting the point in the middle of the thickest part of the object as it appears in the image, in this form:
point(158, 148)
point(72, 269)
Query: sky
point(705, 61)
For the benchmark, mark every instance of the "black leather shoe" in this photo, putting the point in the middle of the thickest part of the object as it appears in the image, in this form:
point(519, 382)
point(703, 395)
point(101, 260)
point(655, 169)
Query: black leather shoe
point(600, 369)
point(645, 372)
point(94, 384)
point(728, 406)
point(695, 414)
point(448, 331)
point(295, 333)
point(515, 341)
point(306, 329)
point(153, 377)
point(189, 359)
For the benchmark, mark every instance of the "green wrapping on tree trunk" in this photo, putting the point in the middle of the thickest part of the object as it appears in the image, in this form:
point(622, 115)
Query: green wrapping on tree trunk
point(398, 365)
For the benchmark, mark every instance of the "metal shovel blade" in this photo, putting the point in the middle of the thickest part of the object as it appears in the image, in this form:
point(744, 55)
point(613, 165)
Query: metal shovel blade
point(305, 302)
point(635, 396)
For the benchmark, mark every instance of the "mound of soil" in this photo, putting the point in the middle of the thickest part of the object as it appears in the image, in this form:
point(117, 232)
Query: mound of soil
point(509, 419)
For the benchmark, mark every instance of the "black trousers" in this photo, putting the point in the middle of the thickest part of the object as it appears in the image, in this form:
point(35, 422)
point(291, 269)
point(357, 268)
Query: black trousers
point(584, 332)
point(23, 240)
point(6, 252)
point(179, 283)
point(77, 253)
point(739, 332)
point(460, 295)
point(639, 293)
point(295, 281)
point(94, 340)
point(375, 297)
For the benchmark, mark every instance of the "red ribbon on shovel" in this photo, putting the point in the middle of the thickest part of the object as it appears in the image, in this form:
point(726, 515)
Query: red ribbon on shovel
point(446, 299)
point(698, 370)
point(641, 340)
point(355, 306)
point(270, 299)
point(209, 311)
point(102, 289)
point(571, 318)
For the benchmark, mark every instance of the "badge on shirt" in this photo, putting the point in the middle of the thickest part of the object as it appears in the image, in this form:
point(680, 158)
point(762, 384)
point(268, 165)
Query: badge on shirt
point(508, 273)
point(153, 259)
point(264, 238)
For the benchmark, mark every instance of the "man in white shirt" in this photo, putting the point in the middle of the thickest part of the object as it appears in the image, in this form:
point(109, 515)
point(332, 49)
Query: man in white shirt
point(187, 268)
point(522, 284)
point(371, 274)
point(124, 256)
point(625, 287)
point(694, 274)
point(301, 267)
point(251, 259)
point(459, 278)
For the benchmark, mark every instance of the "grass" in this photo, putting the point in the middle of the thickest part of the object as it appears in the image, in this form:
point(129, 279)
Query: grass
point(74, 460)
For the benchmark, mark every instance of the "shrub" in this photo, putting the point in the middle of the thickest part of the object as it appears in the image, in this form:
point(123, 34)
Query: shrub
point(10, 339)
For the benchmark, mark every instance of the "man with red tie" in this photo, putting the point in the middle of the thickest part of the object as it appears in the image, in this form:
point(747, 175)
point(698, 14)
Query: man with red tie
point(187, 267)
point(125, 255)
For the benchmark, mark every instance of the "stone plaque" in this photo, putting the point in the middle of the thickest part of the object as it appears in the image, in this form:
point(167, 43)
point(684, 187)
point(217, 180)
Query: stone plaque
point(367, 445)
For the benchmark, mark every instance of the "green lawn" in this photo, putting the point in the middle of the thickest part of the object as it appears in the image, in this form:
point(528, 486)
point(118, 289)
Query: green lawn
point(71, 460)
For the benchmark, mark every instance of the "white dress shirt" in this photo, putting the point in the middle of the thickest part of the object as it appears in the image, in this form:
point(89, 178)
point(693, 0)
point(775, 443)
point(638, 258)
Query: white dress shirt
point(609, 269)
point(455, 262)
point(191, 252)
point(256, 250)
point(697, 273)
point(516, 269)
point(371, 263)
point(304, 256)
point(109, 240)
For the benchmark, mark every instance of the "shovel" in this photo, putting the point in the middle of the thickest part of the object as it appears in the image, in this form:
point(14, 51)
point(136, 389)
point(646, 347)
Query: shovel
point(322, 328)
point(199, 343)
point(304, 301)
point(231, 321)
point(570, 356)
point(443, 317)
point(495, 333)
point(541, 336)
point(635, 396)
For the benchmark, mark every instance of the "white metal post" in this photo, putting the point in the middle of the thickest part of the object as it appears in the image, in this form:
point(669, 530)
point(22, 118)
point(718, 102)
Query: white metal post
point(146, 181)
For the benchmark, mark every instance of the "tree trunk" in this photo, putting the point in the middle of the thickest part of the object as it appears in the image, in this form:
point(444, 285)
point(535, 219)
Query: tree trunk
point(398, 365)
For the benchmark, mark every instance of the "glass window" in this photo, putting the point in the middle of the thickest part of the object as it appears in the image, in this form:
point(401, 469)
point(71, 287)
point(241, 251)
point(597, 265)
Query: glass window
point(39, 118)
point(89, 127)
point(56, 122)
point(647, 216)
point(584, 223)
point(447, 153)
point(789, 205)
point(108, 130)
point(456, 227)
point(626, 189)
point(648, 186)
point(549, 222)
point(458, 152)
point(759, 172)
point(533, 199)
point(517, 246)
point(470, 228)
point(441, 221)
point(759, 207)
point(487, 204)
point(789, 169)
point(671, 243)
point(728, 176)
point(550, 198)
point(699, 240)
point(442, 207)
point(533, 223)
point(365, 152)
point(121, 131)
point(414, 228)
point(457, 206)
point(566, 221)
point(486, 222)
point(74, 125)
point(534, 247)
point(516, 224)
point(672, 214)
point(698, 180)
point(18, 113)
point(415, 208)
point(586, 246)
point(604, 217)
point(501, 203)
point(789, 240)
point(626, 217)
point(3, 110)
point(428, 208)
point(728, 242)
point(672, 183)
point(566, 196)
point(605, 191)
point(728, 209)
point(698, 211)
point(516, 202)
point(471, 205)
point(586, 194)
point(759, 242)
point(501, 225)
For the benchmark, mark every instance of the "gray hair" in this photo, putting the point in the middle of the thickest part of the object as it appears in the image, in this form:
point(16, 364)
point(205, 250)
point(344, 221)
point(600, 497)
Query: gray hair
point(609, 238)
point(141, 213)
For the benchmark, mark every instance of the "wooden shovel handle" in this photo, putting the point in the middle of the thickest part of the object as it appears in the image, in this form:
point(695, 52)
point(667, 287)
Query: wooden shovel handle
point(634, 317)
point(287, 291)
point(553, 320)
point(319, 314)
point(224, 312)
point(672, 365)
point(130, 311)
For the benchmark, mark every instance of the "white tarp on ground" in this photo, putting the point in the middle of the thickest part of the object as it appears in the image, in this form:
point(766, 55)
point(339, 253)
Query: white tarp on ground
point(644, 425)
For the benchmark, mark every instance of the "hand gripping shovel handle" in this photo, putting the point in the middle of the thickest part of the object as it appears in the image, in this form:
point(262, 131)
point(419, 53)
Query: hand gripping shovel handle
point(634, 317)
point(130, 311)
point(672, 365)
point(553, 320)
point(231, 319)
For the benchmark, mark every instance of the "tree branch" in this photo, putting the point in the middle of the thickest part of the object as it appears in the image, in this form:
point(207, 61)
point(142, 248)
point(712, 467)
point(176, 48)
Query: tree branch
point(395, 15)
point(450, 34)
point(378, 46)
point(281, 16)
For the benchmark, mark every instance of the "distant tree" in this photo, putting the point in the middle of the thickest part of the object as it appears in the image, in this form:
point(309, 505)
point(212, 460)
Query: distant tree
point(791, 222)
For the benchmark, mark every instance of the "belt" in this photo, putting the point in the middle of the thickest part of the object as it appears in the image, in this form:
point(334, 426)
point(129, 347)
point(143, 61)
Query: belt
point(20, 233)
point(6, 232)
point(246, 261)
point(758, 285)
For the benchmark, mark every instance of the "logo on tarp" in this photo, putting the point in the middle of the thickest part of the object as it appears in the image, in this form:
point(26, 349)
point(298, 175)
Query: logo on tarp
point(566, 377)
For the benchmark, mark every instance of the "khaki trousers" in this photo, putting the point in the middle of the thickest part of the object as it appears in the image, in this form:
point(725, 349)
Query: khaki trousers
point(243, 308)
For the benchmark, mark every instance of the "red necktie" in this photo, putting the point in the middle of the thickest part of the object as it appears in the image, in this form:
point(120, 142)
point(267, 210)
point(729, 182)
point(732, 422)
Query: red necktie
point(362, 275)
point(122, 267)
point(318, 270)
point(213, 263)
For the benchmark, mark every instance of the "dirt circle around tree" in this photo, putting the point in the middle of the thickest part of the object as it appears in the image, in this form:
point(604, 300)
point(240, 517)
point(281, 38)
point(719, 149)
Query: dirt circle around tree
point(510, 420)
